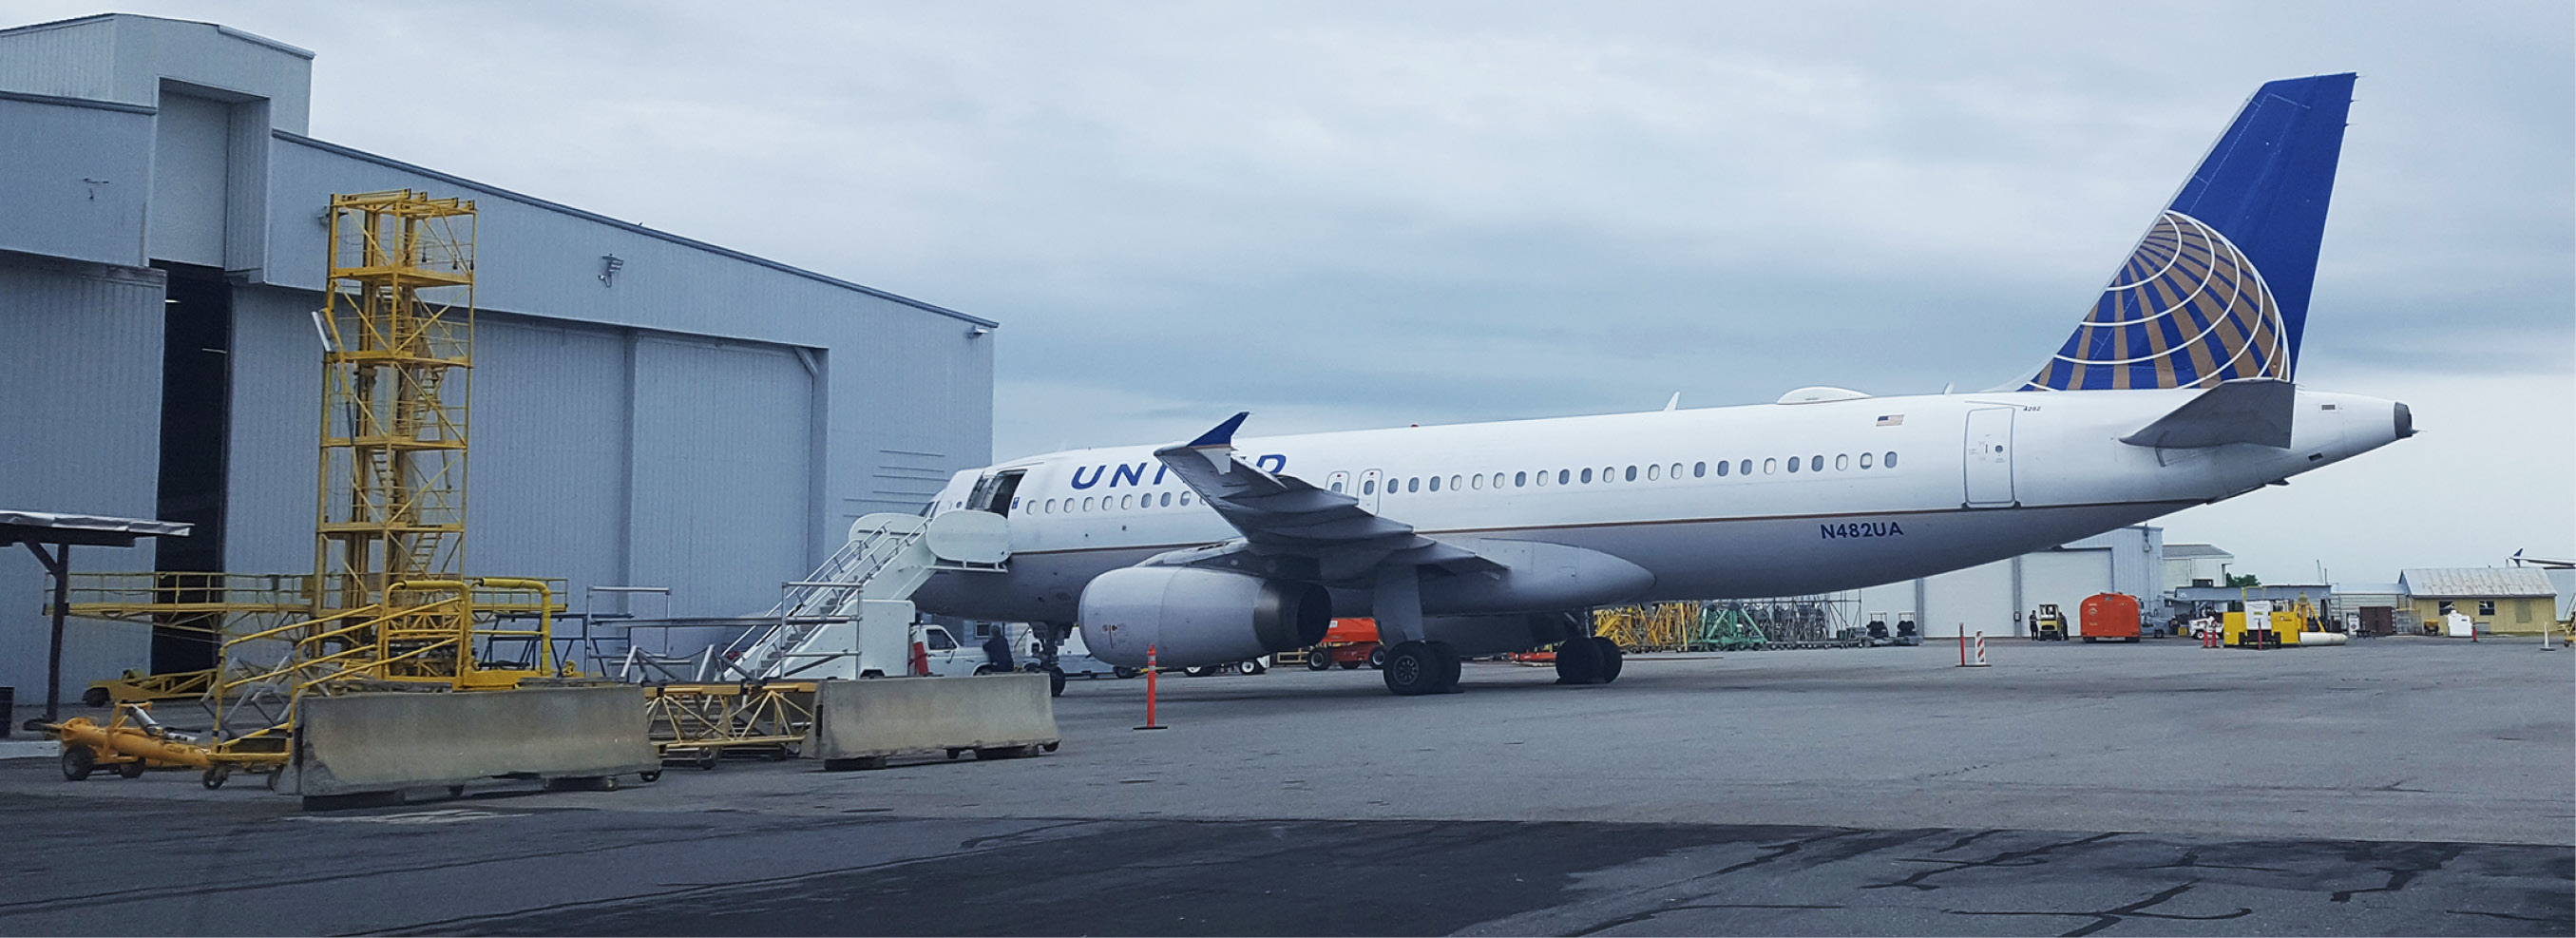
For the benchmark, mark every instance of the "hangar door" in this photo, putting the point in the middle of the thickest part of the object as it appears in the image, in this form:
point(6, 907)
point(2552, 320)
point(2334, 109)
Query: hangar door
point(723, 471)
point(2065, 577)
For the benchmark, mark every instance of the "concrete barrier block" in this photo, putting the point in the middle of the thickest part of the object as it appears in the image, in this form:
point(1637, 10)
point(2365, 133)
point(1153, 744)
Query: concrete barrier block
point(383, 742)
point(857, 724)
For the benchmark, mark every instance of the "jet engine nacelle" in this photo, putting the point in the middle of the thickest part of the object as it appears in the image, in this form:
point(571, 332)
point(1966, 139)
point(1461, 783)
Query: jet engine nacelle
point(1193, 617)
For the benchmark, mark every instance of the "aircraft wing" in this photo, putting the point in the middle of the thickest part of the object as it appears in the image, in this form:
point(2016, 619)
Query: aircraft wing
point(2246, 410)
point(1281, 515)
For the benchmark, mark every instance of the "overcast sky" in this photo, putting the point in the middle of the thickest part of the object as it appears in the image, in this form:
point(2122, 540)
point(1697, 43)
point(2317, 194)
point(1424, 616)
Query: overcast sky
point(1365, 215)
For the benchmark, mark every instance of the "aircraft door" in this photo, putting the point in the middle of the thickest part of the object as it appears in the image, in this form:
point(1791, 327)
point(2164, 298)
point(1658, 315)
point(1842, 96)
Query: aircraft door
point(997, 493)
point(1372, 484)
point(1989, 473)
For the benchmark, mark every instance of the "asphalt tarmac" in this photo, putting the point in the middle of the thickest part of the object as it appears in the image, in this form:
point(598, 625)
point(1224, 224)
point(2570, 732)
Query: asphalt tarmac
point(2395, 786)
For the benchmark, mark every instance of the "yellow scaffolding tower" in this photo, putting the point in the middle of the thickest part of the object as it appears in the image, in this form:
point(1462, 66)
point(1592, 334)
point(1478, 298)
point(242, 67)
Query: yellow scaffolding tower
point(388, 600)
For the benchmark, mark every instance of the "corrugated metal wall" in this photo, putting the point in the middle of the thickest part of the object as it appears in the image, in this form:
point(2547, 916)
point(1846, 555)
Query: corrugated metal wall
point(708, 421)
point(80, 398)
point(723, 461)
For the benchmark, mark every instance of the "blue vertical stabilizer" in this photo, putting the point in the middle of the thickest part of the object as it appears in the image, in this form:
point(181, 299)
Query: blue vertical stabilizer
point(2218, 289)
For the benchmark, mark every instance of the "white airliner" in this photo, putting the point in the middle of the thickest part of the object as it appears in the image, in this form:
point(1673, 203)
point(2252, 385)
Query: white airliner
point(2176, 390)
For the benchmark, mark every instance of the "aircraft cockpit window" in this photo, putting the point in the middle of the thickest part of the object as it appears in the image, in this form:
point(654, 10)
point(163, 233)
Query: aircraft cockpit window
point(1842, 461)
point(1864, 460)
point(1890, 460)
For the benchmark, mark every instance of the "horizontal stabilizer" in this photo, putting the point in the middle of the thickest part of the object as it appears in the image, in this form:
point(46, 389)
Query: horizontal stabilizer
point(2248, 410)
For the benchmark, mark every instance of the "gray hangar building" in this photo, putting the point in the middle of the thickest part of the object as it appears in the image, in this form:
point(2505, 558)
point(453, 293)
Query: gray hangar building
point(647, 409)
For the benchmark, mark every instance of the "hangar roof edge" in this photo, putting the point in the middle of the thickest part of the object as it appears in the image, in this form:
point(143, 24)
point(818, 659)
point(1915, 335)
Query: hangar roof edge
point(595, 217)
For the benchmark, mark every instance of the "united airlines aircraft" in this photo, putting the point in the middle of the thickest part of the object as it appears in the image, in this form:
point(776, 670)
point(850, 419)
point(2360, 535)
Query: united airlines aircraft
point(2175, 390)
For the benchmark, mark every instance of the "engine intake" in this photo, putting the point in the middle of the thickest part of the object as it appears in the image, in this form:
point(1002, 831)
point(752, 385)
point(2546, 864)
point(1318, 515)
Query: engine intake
point(1193, 617)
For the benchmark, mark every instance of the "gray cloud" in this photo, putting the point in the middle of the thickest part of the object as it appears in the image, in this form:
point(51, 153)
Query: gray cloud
point(1364, 215)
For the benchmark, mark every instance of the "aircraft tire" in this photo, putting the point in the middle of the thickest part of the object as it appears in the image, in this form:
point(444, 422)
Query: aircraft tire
point(1578, 661)
point(1412, 669)
point(1610, 658)
point(1450, 666)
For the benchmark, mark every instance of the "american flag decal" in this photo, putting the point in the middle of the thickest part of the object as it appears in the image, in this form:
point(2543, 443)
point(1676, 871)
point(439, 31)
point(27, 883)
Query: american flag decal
point(1891, 420)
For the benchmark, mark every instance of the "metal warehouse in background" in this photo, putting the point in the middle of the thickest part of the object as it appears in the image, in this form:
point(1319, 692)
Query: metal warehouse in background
point(648, 409)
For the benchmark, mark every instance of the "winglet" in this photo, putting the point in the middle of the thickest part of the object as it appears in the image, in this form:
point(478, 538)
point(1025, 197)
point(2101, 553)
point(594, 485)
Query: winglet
point(1223, 434)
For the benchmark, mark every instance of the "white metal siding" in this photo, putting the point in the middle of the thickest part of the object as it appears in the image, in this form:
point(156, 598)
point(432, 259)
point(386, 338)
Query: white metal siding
point(722, 463)
point(191, 160)
point(52, 152)
point(2064, 577)
point(80, 394)
point(547, 479)
point(276, 432)
point(1977, 599)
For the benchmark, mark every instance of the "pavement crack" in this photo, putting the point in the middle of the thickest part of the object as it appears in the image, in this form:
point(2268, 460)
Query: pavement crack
point(1634, 918)
point(2112, 916)
point(2412, 862)
point(2007, 859)
point(1970, 839)
point(2191, 861)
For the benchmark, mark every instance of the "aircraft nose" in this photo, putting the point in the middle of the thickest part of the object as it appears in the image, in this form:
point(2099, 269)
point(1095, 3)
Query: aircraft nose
point(2405, 421)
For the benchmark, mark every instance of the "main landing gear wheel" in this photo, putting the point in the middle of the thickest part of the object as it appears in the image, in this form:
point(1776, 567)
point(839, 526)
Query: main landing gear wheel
point(1610, 658)
point(1414, 668)
point(1578, 661)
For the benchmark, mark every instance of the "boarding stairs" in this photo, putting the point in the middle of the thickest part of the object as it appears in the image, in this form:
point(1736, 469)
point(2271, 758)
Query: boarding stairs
point(887, 557)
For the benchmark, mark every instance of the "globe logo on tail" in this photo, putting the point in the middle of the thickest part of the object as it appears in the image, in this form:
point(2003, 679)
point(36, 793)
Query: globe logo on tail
point(2186, 310)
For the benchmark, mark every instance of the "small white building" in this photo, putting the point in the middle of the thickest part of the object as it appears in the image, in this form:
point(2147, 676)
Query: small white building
point(2196, 565)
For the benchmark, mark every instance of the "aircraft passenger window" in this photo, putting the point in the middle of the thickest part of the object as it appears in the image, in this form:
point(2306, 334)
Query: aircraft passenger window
point(1542, 478)
point(1476, 481)
point(1816, 463)
point(1435, 483)
point(1842, 461)
point(1890, 460)
point(1676, 470)
point(1086, 503)
point(1498, 480)
point(1650, 473)
point(1453, 483)
point(1721, 468)
point(1769, 466)
point(1337, 488)
point(1608, 471)
point(1864, 460)
point(1126, 501)
point(1561, 476)
point(1185, 498)
point(1587, 475)
point(1369, 487)
point(1167, 497)
point(1413, 484)
point(1793, 463)
point(1519, 479)
point(1744, 468)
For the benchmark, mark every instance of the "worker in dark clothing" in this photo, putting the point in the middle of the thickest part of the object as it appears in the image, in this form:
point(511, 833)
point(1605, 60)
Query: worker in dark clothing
point(998, 650)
